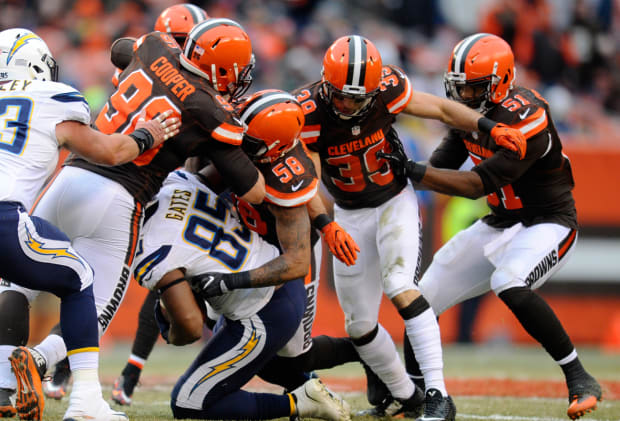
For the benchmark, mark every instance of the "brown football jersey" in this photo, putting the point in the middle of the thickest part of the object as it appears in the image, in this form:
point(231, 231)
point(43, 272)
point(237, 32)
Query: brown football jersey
point(350, 169)
point(155, 81)
point(290, 181)
point(533, 190)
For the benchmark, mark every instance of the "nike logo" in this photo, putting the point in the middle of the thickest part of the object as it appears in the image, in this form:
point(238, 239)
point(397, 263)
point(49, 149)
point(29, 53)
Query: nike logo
point(296, 187)
point(524, 114)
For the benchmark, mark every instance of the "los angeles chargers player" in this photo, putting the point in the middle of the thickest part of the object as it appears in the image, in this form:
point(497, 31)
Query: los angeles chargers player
point(38, 115)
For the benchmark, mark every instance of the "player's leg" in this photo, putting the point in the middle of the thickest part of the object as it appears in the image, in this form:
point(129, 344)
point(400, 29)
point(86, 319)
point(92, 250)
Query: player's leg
point(533, 256)
point(359, 290)
point(37, 255)
point(211, 387)
point(399, 244)
point(14, 330)
point(458, 271)
point(303, 353)
point(143, 343)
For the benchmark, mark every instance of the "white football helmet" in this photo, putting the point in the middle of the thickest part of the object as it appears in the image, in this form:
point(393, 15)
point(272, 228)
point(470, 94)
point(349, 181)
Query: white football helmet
point(23, 55)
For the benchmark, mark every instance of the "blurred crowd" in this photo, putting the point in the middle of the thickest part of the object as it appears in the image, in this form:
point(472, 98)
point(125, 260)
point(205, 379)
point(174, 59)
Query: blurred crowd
point(567, 49)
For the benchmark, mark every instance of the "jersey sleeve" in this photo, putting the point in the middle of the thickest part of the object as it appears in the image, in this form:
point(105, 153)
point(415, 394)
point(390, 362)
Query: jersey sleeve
point(395, 89)
point(234, 166)
point(291, 180)
point(70, 104)
point(451, 152)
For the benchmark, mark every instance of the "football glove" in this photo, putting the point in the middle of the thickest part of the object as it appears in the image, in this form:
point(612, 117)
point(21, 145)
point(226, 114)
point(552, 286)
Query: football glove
point(340, 243)
point(213, 284)
point(414, 171)
point(510, 138)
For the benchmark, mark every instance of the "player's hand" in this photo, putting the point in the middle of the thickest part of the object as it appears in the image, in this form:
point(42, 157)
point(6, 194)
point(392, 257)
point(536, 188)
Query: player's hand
point(510, 138)
point(162, 321)
point(161, 127)
point(210, 284)
point(340, 243)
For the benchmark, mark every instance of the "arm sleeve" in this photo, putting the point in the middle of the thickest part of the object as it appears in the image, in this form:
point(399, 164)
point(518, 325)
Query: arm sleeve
point(451, 152)
point(234, 166)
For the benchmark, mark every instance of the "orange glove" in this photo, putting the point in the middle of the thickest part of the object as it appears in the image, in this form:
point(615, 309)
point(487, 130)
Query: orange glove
point(509, 138)
point(340, 243)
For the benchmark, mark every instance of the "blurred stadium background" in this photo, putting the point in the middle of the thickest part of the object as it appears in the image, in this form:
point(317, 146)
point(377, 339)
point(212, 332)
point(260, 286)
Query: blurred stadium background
point(566, 49)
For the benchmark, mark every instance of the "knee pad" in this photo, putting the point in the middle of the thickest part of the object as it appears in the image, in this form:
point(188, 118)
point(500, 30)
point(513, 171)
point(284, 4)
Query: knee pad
point(15, 318)
point(503, 279)
point(359, 328)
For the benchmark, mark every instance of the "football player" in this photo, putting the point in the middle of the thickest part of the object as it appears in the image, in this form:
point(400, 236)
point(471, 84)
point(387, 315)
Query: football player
point(349, 117)
point(193, 232)
point(101, 208)
point(39, 115)
point(532, 226)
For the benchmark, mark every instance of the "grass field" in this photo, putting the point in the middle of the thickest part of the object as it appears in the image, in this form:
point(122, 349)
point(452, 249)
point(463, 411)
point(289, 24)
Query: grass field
point(488, 383)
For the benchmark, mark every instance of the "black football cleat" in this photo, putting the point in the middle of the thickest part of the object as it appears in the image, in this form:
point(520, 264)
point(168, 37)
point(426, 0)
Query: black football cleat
point(397, 408)
point(438, 407)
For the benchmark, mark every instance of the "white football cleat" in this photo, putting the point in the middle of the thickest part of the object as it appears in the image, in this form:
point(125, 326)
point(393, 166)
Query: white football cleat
point(87, 404)
point(315, 400)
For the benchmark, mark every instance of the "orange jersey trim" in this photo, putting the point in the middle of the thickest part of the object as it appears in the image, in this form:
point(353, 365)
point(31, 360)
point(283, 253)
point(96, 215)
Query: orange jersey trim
point(228, 133)
point(310, 134)
point(292, 199)
point(533, 124)
point(401, 102)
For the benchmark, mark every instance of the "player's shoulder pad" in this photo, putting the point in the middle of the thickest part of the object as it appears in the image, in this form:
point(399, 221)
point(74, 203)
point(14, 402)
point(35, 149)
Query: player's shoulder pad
point(395, 89)
point(291, 179)
point(524, 109)
point(64, 97)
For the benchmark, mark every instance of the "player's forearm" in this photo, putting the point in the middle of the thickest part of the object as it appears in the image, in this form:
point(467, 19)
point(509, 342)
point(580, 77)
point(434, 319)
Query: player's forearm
point(316, 207)
point(455, 183)
point(459, 116)
point(291, 265)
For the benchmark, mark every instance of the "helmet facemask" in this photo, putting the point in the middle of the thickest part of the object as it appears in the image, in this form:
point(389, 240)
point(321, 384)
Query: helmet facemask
point(358, 103)
point(243, 80)
point(456, 84)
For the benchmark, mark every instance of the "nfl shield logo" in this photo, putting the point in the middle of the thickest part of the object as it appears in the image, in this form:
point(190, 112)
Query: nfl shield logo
point(355, 130)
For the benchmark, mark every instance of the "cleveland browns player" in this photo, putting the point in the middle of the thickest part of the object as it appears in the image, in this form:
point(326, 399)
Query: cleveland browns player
point(176, 20)
point(532, 226)
point(349, 117)
point(101, 208)
point(256, 286)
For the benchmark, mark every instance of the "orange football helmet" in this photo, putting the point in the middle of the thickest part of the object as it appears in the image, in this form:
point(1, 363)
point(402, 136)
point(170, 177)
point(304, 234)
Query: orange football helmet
point(351, 75)
point(483, 66)
point(274, 120)
point(220, 51)
point(179, 19)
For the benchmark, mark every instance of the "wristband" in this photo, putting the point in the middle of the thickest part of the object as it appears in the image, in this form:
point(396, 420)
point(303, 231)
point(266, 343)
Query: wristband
point(485, 125)
point(238, 280)
point(415, 171)
point(320, 221)
point(143, 138)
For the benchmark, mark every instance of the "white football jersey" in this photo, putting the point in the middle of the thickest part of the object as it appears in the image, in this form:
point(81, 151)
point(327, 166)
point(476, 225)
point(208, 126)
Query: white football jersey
point(194, 229)
point(29, 113)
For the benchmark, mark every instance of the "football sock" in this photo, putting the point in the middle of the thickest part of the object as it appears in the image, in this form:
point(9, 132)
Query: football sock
point(411, 364)
point(539, 320)
point(328, 352)
point(53, 349)
point(14, 323)
point(381, 356)
point(573, 369)
point(423, 332)
point(84, 361)
point(7, 378)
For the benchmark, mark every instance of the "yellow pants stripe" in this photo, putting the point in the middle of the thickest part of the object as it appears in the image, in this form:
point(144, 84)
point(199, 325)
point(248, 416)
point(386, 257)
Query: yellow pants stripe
point(79, 350)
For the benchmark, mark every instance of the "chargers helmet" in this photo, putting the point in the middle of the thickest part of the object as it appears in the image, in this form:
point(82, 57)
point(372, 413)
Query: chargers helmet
point(23, 55)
